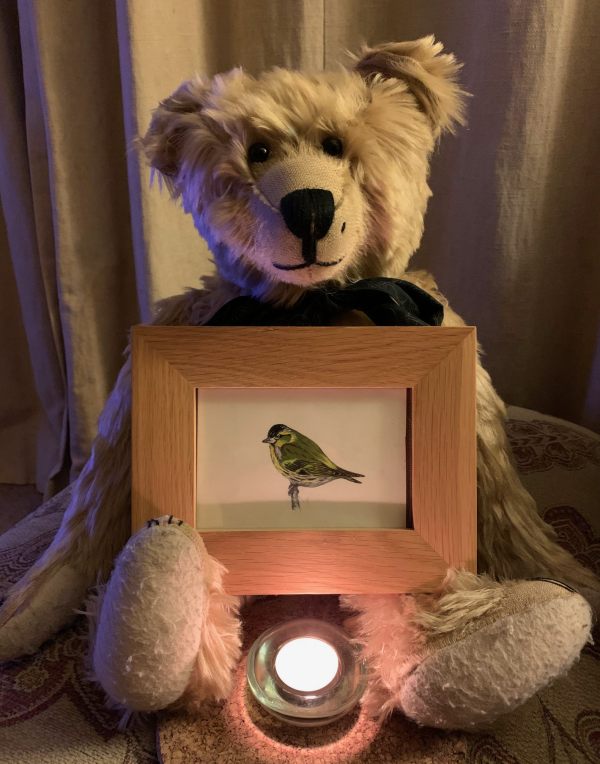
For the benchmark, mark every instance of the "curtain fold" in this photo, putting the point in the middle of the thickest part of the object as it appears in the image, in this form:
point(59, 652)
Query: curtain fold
point(87, 247)
point(33, 415)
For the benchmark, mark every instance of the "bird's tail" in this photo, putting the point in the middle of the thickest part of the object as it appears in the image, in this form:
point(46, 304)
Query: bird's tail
point(351, 476)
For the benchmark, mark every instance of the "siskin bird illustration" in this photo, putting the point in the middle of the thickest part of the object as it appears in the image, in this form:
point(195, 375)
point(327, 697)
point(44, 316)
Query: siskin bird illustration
point(302, 461)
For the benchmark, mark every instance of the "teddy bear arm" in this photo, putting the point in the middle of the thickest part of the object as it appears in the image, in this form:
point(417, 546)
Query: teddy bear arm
point(94, 527)
point(513, 540)
point(96, 522)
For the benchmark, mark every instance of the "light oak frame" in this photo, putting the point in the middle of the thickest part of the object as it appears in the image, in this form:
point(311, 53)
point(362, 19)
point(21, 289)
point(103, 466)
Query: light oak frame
point(437, 364)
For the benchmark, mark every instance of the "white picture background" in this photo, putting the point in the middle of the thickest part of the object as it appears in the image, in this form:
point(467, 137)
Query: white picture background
point(361, 430)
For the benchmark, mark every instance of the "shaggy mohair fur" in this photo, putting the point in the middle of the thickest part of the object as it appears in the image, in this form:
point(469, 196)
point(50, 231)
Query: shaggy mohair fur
point(387, 111)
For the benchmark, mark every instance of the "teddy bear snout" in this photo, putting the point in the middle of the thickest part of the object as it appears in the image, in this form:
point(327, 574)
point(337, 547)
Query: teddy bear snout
point(308, 213)
point(310, 217)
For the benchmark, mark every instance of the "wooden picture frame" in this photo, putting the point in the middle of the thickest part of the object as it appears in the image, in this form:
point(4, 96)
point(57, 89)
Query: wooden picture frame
point(436, 364)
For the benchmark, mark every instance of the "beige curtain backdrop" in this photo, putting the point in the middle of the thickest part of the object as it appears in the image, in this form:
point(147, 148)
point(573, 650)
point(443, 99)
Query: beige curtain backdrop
point(86, 247)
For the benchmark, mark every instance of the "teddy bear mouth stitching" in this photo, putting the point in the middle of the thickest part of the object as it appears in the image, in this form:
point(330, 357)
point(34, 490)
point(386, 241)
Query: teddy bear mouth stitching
point(306, 265)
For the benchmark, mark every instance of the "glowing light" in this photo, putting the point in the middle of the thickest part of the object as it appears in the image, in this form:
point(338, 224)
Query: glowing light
point(306, 663)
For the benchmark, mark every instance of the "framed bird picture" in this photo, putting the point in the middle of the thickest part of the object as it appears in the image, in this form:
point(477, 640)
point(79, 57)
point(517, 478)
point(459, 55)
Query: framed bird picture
point(311, 459)
point(282, 458)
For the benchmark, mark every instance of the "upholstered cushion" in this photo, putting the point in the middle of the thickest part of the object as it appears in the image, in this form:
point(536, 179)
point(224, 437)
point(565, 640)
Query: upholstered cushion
point(50, 713)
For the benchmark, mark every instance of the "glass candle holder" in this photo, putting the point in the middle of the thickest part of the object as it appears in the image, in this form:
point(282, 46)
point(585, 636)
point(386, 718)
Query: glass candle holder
point(306, 672)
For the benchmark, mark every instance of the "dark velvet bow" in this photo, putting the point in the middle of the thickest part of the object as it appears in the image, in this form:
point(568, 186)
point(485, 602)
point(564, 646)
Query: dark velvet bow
point(387, 302)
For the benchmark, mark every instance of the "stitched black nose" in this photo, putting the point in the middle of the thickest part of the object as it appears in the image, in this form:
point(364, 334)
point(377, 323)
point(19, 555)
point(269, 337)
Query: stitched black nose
point(308, 213)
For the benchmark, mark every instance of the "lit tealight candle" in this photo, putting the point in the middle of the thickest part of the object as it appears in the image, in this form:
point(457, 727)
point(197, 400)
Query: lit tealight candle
point(307, 664)
point(306, 680)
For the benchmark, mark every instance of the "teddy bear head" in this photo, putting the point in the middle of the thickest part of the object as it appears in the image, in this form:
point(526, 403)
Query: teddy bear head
point(297, 179)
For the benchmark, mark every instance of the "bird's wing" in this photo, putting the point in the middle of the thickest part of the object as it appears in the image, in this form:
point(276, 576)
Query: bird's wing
point(305, 457)
point(307, 450)
point(305, 468)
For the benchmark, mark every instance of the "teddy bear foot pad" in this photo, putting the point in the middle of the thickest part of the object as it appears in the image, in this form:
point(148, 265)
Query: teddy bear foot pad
point(466, 680)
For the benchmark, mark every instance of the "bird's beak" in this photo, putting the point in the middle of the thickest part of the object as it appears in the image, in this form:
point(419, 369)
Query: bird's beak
point(269, 440)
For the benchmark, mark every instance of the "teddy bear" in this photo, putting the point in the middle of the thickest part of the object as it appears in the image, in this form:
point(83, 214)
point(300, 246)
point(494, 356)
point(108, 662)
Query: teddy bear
point(301, 183)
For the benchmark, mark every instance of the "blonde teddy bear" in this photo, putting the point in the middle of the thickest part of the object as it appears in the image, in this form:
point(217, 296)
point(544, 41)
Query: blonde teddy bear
point(299, 182)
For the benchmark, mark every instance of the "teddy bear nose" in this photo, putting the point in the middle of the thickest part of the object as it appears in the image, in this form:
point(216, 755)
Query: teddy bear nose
point(308, 212)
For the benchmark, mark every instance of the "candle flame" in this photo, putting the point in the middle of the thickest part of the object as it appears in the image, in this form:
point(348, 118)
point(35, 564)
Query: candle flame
point(307, 663)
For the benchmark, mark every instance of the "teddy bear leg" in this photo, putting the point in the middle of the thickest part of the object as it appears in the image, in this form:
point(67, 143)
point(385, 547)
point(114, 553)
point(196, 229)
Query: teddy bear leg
point(164, 631)
point(461, 658)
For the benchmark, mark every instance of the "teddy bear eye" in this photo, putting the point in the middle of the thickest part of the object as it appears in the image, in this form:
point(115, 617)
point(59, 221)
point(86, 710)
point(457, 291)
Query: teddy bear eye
point(333, 146)
point(258, 152)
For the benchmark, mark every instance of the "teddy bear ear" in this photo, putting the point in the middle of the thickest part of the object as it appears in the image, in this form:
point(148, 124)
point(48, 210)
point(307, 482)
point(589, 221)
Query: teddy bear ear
point(429, 74)
point(162, 143)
